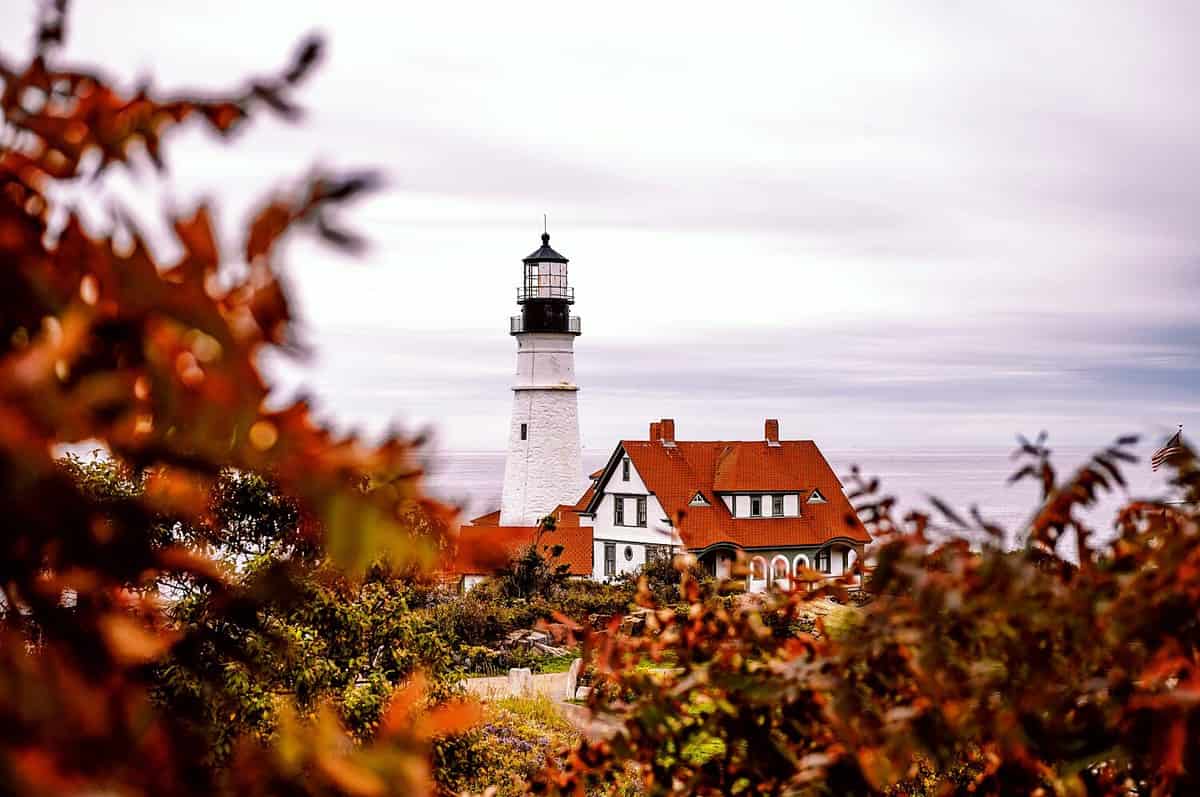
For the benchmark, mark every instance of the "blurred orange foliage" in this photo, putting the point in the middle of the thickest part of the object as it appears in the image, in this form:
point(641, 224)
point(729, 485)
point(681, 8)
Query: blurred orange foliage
point(155, 362)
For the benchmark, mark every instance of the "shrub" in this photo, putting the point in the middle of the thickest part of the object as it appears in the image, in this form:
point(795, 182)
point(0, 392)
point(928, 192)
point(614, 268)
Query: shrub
point(985, 672)
point(662, 577)
point(517, 738)
point(156, 361)
point(580, 599)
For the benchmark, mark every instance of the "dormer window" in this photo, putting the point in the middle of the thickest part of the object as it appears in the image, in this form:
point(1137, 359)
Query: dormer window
point(625, 469)
point(815, 497)
point(698, 500)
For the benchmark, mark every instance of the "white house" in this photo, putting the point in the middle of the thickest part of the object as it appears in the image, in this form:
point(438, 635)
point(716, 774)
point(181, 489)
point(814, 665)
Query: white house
point(777, 503)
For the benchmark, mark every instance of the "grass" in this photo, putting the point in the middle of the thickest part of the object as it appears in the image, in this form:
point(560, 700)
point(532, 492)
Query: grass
point(556, 663)
point(543, 664)
point(539, 710)
point(668, 662)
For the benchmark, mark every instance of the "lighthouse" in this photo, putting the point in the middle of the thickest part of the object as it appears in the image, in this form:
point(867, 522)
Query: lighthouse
point(543, 468)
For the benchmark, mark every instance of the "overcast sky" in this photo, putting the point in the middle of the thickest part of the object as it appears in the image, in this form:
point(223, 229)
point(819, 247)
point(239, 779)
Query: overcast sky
point(885, 224)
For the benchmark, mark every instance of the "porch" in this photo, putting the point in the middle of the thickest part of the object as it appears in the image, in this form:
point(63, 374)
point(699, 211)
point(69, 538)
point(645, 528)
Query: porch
point(808, 568)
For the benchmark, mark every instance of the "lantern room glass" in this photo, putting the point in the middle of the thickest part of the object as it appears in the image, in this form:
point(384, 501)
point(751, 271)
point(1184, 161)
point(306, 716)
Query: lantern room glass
point(546, 280)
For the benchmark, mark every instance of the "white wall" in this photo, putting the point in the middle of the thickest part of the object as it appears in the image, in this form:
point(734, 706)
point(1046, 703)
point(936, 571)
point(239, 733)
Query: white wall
point(657, 530)
point(623, 565)
point(635, 485)
point(739, 505)
point(546, 468)
point(545, 359)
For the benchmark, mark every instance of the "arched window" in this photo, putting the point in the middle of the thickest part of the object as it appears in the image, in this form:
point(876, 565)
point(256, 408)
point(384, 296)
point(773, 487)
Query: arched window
point(800, 561)
point(758, 569)
point(779, 573)
point(823, 560)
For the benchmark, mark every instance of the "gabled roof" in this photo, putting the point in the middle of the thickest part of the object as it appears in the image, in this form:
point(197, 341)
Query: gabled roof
point(674, 474)
point(791, 466)
point(582, 504)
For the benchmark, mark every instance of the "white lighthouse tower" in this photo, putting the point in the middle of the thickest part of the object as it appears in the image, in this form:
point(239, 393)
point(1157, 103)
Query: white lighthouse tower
point(543, 468)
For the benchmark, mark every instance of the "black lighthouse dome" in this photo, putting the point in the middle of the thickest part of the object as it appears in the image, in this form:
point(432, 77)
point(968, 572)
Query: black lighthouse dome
point(545, 294)
point(546, 253)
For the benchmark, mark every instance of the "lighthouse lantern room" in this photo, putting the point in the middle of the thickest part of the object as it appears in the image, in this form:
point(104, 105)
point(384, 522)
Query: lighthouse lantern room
point(543, 468)
point(545, 296)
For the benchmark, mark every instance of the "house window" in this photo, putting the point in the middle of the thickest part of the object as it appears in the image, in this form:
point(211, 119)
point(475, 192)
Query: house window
point(610, 559)
point(641, 510)
point(816, 497)
point(756, 506)
point(758, 568)
point(618, 511)
point(777, 505)
point(628, 553)
point(823, 560)
point(524, 431)
point(625, 470)
point(699, 500)
point(656, 552)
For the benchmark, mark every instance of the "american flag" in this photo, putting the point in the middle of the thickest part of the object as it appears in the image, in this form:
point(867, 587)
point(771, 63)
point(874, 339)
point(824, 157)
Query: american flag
point(1171, 448)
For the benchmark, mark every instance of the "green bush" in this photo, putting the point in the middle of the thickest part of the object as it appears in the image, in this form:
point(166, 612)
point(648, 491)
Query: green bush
point(482, 616)
point(663, 577)
point(580, 599)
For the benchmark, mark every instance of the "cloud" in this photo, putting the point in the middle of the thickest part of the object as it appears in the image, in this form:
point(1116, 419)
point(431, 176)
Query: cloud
point(922, 224)
point(857, 383)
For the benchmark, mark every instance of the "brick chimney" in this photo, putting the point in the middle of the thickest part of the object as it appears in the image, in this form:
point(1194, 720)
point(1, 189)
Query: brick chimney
point(667, 430)
point(655, 433)
point(771, 430)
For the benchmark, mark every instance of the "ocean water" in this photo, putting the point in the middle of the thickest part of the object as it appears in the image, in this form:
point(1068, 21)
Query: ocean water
point(962, 477)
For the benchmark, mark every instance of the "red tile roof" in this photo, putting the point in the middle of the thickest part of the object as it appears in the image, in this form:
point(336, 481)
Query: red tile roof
point(490, 519)
point(675, 474)
point(586, 498)
point(484, 550)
